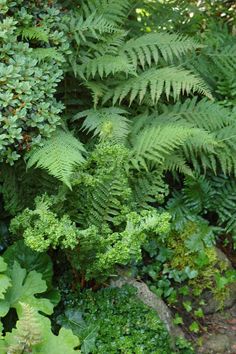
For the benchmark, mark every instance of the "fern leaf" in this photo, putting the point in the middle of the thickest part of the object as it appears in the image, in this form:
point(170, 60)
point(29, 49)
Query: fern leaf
point(108, 123)
point(47, 53)
point(27, 333)
point(34, 33)
point(112, 10)
point(97, 90)
point(105, 65)
point(156, 142)
point(152, 46)
point(58, 155)
point(169, 80)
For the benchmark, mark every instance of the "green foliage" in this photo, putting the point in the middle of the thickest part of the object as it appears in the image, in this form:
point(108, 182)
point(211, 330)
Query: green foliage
point(123, 323)
point(29, 108)
point(42, 228)
point(58, 155)
point(29, 260)
point(33, 335)
point(23, 288)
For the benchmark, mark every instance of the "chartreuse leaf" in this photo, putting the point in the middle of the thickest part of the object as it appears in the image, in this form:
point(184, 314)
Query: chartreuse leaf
point(5, 281)
point(73, 319)
point(64, 343)
point(33, 335)
point(23, 289)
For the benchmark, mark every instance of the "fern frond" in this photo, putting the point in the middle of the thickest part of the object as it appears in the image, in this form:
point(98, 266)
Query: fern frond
point(177, 163)
point(105, 65)
point(224, 58)
point(204, 114)
point(148, 187)
point(28, 332)
point(154, 143)
point(97, 90)
point(34, 33)
point(93, 24)
point(152, 46)
point(108, 123)
point(58, 155)
point(47, 53)
point(224, 201)
point(169, 80)
point(112, 10)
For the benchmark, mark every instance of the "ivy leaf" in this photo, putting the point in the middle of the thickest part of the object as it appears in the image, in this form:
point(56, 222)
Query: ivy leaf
point(73, 320)
point(199, 313)
point(178, 319)
point(194, 327)
point(89, 341)
point(191, 273)
point(187, 305)
point(24, 287)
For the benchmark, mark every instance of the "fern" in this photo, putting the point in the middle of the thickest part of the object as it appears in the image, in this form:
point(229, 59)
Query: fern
point(47, 53)
point(148, 187)
point(108, 123)
point(112, 10)
point(152, 46)
point(34, 33)
point(82, 27)
point(105, 65)
point(27, 333)
point(154, 143)
point(170, 81)
point(58, 155)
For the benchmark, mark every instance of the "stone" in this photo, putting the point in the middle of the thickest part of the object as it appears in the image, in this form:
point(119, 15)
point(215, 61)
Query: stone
point(217, 344)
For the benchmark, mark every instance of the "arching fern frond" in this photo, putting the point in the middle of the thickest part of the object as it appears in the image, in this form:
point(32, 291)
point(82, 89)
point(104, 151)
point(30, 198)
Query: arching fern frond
point(112, 10)
point(170, 81)
point(204, 114)
point(152, 46)
point(156, 142)
point(58, 155)
point(105, 65)
point(34, 33)
point(42, 54)
point(108, 123)
point(148, 187)
point(97, 90)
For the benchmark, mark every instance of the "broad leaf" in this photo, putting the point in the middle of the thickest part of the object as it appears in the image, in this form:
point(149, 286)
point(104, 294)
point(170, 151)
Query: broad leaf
point(23, 289)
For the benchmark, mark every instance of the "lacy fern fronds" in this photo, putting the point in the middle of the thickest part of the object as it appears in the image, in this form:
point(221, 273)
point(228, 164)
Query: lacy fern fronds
point(106, 65)
point(112, 10)
point(154, 46)
point(28, 332)
point(58, 155)
point(155, 142)
point(108, 123)
point(170, 81)
point(42, 54)
point(148, 187)
point(34, 33)
point(224, 202)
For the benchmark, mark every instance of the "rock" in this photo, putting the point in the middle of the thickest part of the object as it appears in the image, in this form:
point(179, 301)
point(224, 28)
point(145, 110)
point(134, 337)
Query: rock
point(151, 300)
point(217, 344)
point(212, 305)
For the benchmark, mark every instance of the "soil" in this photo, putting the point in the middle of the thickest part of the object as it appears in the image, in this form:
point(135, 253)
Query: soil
point(220, 337)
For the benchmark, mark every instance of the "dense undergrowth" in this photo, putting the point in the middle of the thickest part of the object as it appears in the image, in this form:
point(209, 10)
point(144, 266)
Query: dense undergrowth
point(117, 156)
